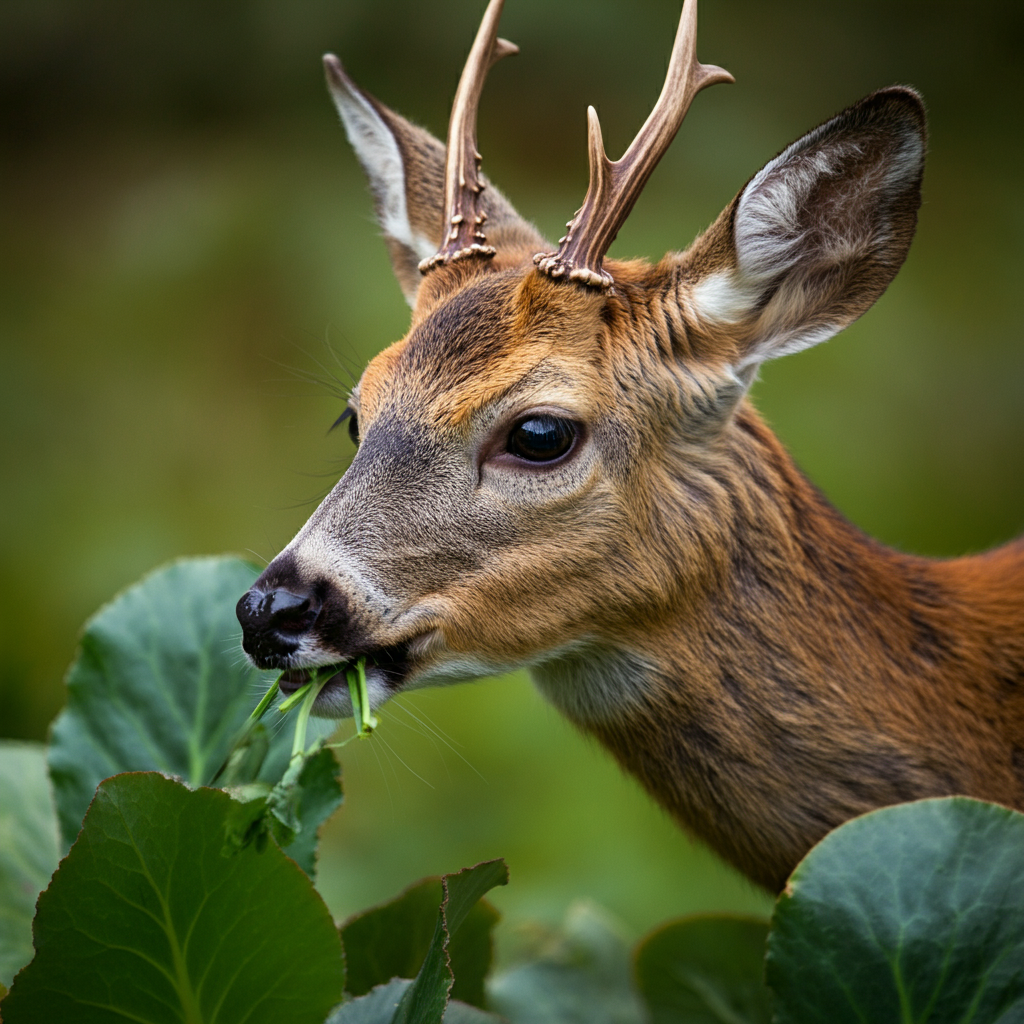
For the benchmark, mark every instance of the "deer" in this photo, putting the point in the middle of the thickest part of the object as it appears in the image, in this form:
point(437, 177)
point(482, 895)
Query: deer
point(559, 469)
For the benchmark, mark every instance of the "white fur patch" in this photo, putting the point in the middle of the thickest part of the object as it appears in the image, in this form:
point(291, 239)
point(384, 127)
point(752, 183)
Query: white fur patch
point(590, 684)
point(457, 668)
point(723, 298)
point(381, 158)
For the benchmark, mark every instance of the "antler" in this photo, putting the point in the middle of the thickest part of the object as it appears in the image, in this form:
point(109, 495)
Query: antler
point(616, 185)
point(463, 214)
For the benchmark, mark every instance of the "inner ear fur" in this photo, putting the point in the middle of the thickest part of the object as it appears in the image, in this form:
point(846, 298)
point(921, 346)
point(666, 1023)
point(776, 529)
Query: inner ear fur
point(813, 239)
point(405, 168)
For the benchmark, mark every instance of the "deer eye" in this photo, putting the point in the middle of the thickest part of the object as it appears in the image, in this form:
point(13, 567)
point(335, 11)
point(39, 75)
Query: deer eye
point(541, 438)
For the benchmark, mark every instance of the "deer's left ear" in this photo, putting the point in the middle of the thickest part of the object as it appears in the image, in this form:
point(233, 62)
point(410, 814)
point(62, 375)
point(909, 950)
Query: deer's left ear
point(813, 239)
point(405, 168)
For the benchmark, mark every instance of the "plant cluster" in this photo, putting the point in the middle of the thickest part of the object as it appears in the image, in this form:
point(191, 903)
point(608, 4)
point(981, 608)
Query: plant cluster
point(186, 891)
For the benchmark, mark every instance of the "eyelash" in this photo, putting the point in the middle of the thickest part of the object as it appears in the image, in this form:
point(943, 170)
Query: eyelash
point(353, 425)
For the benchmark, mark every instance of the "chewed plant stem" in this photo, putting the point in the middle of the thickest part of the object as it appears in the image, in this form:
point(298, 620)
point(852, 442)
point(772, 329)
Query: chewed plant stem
point(304, 698)
point(290, 701)
point(308, 695)
point(268, 698)
point(365, 720)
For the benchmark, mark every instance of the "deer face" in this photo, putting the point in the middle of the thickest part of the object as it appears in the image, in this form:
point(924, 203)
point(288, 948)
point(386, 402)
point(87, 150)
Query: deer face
point(491, 436)
point(549, 460)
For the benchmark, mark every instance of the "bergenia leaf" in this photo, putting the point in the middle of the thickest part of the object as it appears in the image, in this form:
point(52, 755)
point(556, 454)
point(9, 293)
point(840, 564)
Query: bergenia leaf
point(910, 913)
point(146, 919)
point(391, 941)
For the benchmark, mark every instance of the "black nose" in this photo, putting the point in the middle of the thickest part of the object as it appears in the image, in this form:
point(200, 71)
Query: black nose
point(273, 622)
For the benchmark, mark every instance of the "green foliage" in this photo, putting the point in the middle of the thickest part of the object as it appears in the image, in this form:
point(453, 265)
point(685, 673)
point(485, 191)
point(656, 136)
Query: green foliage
point(28, 848)
point(705, 970)
point(291, 810)
point(579, 976)
point(387, 937)
point(157, 684)
point(391, 941)
point(425, 1000)
point(379, 1006)
point(911, 913)
point(160, 684)
point(177, 904)
point(146, 920)
point(303, 803)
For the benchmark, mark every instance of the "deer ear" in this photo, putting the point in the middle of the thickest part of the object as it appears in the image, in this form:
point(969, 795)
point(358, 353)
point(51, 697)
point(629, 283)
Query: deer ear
point(405, 167)
point(815, 237)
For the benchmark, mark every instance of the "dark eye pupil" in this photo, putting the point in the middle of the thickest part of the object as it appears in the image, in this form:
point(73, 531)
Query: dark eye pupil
point(353, 428)
point(541, 439)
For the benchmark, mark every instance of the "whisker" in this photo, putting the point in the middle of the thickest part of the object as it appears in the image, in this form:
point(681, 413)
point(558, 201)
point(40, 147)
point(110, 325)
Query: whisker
point(436, 727)
point(404, 764)
point(344, 366)
point(326, 379)
point(304, 502)
point(259, 558)
point(421, 730)
point(387, 786)
point(236, 655)
point(441, 735)
point(330, 474)
point(387, 756)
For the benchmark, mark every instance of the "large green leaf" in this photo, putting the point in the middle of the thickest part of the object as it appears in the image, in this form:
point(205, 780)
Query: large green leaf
point(581, 976)
point(146, 920)
point(392, 940)
point(425, 1000)
point(28, 848)
point(160, 683)
point(909, 914)
point(705, 970)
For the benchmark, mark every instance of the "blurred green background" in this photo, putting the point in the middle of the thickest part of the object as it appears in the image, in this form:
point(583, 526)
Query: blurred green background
point(187, 242)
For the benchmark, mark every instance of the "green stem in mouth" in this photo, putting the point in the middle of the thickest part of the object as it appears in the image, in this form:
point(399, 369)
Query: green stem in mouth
point(369, 719)
point(289, 702)
point(311, 691)
point(268, 697)
point(364, 719)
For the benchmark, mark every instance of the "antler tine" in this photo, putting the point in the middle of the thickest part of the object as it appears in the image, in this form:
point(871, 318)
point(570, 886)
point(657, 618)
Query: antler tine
point(616, 185)
point(463, 214)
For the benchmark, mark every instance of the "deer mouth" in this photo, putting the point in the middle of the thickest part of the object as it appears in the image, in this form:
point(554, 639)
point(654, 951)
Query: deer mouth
point(387, 666)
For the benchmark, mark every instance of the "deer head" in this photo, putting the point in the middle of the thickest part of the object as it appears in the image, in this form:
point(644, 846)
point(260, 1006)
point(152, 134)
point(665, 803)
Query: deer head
point(538, 462)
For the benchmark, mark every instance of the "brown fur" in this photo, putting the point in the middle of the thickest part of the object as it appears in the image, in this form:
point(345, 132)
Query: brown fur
point(675, 585)
point(822, 675)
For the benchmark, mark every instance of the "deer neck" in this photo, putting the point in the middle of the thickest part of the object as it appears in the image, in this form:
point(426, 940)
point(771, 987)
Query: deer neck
point(806, 676)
